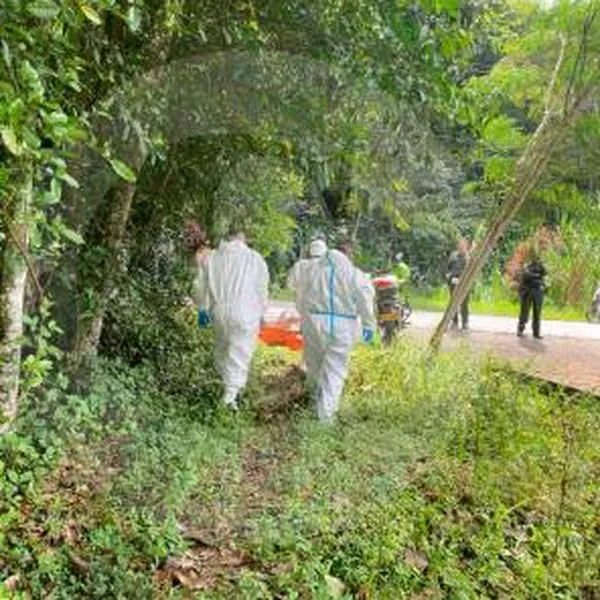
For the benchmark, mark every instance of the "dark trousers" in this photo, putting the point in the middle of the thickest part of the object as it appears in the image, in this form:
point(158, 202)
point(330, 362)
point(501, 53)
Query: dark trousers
point(464, 311)
point(531, 298)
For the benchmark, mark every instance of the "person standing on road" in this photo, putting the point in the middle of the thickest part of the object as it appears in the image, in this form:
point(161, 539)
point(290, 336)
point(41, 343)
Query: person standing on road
point(337, 294)
point(531, 292)
point(235, 299)
point(594, 312)
point(456, 266)
point(401, 270)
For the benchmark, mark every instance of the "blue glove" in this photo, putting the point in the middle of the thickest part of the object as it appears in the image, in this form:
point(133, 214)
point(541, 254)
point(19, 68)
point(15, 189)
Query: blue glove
point(203, 318)
point(367, 335)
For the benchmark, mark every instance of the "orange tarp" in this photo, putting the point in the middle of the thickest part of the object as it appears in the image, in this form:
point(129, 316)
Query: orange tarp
point(276, 335)
point(284, 331)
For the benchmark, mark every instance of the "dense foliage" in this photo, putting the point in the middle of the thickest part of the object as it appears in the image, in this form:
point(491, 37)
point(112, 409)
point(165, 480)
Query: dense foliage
point(451, 479)
point(400, 124)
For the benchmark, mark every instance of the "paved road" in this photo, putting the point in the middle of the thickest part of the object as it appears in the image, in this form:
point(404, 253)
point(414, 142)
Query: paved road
point(481, 323)
point(569, 354)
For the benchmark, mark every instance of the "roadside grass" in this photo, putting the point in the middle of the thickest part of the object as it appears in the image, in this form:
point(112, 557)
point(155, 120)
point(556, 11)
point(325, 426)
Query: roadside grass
point(282, 294)
point(443, 478)
point(484, 302)
point(437, 300)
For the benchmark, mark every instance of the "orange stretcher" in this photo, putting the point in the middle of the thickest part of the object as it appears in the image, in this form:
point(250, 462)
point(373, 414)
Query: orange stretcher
point(283, 331)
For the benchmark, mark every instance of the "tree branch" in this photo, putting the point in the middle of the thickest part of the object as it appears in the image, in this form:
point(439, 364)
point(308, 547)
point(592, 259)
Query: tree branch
point(555, 72)
point(581, 53)
point(23, 252)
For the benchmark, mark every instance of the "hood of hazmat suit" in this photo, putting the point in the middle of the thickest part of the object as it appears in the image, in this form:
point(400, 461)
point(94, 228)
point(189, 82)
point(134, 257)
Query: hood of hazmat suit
point(337, 296)
point(316, 250)
point(237, 283)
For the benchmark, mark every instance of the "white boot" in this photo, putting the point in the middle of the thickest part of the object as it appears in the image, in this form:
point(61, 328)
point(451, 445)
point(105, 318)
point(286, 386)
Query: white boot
point(230, 397)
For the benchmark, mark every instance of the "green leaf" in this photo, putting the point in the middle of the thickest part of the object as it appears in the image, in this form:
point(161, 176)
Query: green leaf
point(55, 191)
point(31, 78)
point(91, 14)
point(16, 110)
point(57, 117)
point(31, 139)
point(133, 19)
point(69, 180)
point(6, 54)
point(122, 170)
point(498, 169)
point(10, 141)
point(43, 9)
point(72, 236)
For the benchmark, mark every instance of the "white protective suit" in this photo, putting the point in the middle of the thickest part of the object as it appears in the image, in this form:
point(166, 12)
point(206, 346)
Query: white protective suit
point(316, 250)
point(337, 294)
point(200, 286)
point(237, 282)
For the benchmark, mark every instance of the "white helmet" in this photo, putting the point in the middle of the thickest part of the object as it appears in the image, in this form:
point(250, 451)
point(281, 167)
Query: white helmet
point(317, 248)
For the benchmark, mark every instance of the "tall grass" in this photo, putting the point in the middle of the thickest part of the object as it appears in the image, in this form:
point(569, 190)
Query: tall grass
point(496, 300)
point(444, 477)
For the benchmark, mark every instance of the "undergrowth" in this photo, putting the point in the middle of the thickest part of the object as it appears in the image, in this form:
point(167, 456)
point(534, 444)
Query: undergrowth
point(443, 478)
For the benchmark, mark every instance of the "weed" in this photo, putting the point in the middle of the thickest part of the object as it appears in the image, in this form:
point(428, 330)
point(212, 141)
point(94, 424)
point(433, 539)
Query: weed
point(441, 478)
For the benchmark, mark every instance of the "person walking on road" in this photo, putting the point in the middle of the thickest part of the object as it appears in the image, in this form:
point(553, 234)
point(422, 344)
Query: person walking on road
point(235, 299)
point(337, 294)
point(531, 292)
point(456, 266)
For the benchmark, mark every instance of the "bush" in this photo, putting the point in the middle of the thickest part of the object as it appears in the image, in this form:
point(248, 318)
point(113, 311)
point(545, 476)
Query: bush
point(574, 269)
point(148, 323)
point(444, 477)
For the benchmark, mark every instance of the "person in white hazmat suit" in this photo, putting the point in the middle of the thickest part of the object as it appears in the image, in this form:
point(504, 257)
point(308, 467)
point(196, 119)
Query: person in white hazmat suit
point(235, 299)
point(295, 279)
point(337, 294)
point(316, 250)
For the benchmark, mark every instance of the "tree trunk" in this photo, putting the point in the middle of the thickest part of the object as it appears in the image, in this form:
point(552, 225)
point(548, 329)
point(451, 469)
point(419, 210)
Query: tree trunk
point(89, 325)
point(12, 298)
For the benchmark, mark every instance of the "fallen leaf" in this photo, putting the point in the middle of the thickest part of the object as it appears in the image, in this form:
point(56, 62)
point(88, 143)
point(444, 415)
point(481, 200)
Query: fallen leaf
point(189, 579)
point(12, 582)
point(335, 587)
point(429, 594)
point(201, 537)
point(80, 565)
point(416, 559)
point(281, 569)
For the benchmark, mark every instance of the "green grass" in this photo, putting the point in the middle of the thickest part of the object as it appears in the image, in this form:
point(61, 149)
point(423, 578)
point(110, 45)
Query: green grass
point(443, 478)
point(492, 304)
point(282, 294)
point(437, 301)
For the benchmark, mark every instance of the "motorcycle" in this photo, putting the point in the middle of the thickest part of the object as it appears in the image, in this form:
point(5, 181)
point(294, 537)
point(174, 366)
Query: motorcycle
point(392, 313)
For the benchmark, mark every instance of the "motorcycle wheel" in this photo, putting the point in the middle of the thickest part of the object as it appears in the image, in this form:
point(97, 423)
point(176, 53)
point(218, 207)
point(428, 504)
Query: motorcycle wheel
point(405, 314)
point(388, 332)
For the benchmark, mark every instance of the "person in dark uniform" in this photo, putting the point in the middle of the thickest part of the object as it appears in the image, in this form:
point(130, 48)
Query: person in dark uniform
point(456, 266)
point(531, 293)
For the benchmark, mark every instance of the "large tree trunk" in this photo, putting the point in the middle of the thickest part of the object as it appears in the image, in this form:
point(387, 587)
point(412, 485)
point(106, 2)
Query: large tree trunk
point(12, 298)
point(530, 168)
point(90, 322)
